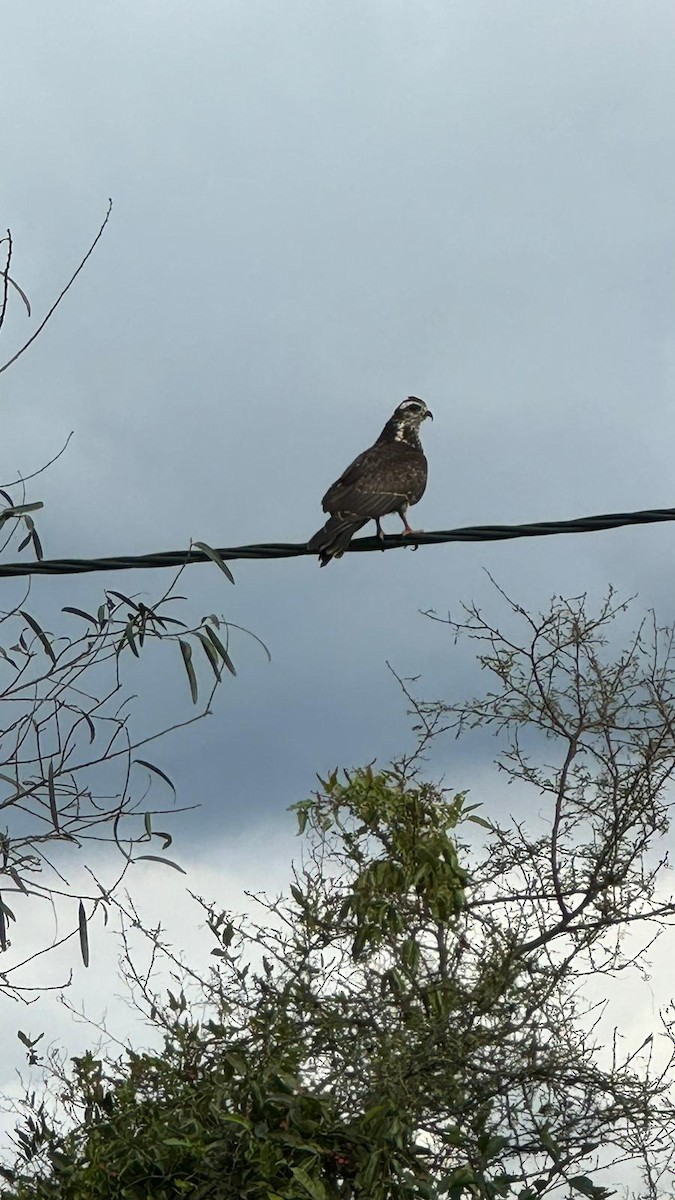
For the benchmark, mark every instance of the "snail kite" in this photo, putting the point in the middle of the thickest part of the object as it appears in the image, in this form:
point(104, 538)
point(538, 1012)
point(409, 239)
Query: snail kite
point(386, 478)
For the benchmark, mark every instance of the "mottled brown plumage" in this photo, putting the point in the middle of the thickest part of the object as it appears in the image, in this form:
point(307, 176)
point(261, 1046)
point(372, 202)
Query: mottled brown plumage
point(388, 477)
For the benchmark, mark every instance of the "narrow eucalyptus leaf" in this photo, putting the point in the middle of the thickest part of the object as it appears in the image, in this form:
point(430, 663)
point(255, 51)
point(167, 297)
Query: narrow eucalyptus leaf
point(80, 612)
point(84, 935)
point(215, 557)
point(37, 629)
point(210, 652)
point(213, 636)
point(17, 510)
point(156, 858)
point(53, 808)
point(186, 651)
point(143, 762)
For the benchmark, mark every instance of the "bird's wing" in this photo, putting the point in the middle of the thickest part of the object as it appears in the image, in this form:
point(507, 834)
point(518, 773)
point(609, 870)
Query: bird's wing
point(379, 481)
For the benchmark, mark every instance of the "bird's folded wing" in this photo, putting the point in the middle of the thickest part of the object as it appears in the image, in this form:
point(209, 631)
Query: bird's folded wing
point(372, 485)
point(365, 500)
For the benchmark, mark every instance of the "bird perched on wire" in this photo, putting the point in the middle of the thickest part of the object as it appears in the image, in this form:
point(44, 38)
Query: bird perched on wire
point(388, 477)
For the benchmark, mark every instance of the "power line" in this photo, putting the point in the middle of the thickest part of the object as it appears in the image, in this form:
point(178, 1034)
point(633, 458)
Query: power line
point(469, 533)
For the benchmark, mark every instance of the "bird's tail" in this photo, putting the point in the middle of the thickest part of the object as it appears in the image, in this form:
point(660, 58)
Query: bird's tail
point(333, 539)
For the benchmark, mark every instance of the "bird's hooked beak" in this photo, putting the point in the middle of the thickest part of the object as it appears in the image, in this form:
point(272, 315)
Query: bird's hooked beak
point(429, 414)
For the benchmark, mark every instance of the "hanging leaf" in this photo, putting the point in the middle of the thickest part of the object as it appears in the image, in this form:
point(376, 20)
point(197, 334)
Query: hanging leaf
point(80, 612)
point(40, 634)
point(186, 651)
point(156, 858)
point(123, 598)
point(480, 821)
point(143, 762)
point(52, 797)
point(84, 935)
point(213, 636)
point(581, 1183)
point(5, 655)
point(215, 557)
point(210, 653)
point(128, 638)
point(313, 1187)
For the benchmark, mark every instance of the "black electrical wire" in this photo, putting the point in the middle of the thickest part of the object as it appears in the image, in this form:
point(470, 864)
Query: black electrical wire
point(469, 533)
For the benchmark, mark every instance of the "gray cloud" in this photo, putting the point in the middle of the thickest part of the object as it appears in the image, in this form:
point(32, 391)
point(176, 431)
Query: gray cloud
point(319, 209)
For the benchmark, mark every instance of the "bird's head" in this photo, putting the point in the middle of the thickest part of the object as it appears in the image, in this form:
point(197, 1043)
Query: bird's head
point(412, 412)
point(403, 425)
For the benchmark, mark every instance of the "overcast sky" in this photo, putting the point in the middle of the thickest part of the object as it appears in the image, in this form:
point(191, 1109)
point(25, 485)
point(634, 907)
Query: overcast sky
point(319, 208)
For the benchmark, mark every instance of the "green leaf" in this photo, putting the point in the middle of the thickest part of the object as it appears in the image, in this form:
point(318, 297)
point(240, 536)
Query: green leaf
point(125, 599)
point(53, 807)
point(480, 821)
point(238, 1064)
point(84, 935)
point(211, 633)
point(234, 1119)
point(40, 633)
point(460, 1177)
point(210, 653)
point(549, 1144)
point(186, 651)
point(5, 655)
point(128, 636)
point(359, 942)
point(143, 762)
point(494, 1146)
point(584, 1185)
point(313, 1187)
point(17, 510)
point(79, 612)
point(215, 557)
point(156, 858)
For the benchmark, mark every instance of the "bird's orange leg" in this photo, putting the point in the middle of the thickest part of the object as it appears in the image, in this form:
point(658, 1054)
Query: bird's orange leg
point(407, 531)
